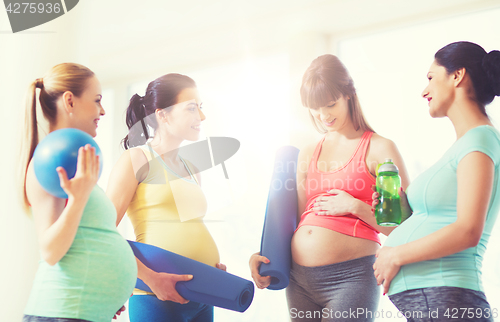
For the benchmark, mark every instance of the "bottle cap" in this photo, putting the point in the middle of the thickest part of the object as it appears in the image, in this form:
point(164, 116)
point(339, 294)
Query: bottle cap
point(388, 166)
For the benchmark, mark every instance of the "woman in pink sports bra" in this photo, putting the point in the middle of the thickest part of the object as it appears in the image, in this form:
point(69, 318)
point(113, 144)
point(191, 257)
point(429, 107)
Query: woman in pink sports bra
point(334, 246)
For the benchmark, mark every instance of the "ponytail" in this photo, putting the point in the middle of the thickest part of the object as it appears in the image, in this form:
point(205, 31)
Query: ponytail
point(136, 112)
point(491, 66)
point(60, 79)
point(160, 94)
point(29, 138)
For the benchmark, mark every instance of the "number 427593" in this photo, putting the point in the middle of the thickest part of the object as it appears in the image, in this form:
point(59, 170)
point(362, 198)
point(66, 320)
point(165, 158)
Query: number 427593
point(27, 7)
point(471, 313)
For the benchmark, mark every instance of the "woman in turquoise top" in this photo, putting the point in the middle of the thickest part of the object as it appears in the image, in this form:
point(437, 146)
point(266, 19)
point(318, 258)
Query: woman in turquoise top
point(431, 264)
point(87, 271)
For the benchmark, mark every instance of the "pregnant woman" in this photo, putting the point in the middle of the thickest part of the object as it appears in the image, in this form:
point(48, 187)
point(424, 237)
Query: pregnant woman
point(432, 262)
point(161, 193)
point(87, 271)
point(334, 246)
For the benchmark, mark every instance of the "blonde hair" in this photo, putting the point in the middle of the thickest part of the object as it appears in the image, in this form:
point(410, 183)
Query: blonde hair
point(66, 77)
point(326, 80)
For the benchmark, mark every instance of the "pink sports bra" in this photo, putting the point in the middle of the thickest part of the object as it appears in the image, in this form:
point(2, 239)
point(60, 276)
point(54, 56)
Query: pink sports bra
point(353, 178)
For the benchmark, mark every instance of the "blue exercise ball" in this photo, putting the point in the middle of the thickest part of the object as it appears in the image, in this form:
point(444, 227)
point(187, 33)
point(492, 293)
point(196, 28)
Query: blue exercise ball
point(60, 149)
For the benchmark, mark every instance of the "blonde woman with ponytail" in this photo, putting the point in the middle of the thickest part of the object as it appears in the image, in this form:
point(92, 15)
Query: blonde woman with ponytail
point(87, 270)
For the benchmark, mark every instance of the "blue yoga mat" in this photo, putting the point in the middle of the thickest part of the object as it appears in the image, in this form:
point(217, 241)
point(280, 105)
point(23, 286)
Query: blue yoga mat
point(281, 219)
point(209, 285)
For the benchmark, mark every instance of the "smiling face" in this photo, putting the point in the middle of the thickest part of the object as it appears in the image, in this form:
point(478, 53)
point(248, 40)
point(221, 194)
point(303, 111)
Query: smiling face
point(333, 116)
point(440, 90)
point(184, 118)
point(87, 110)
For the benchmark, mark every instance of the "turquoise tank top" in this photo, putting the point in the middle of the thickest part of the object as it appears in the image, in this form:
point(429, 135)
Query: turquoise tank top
point(95, 277)
point(433, 199)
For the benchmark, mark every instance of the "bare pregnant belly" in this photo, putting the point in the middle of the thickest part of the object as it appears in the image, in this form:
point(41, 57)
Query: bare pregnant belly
point(318, 246)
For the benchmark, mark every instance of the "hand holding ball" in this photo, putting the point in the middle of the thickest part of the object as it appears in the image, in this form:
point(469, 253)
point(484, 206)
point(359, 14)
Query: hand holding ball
point(60, 149)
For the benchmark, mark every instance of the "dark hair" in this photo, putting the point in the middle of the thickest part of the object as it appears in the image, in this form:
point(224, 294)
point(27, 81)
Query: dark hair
point(483, 68)
point(161, 93)
point(325, 80)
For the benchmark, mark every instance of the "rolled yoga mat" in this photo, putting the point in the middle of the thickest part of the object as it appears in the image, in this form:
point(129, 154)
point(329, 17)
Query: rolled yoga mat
point(209, 285)
point(281, 219)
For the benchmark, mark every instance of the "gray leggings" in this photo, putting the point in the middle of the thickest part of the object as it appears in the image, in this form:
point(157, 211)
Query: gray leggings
point(33, 318)
point(345, 291)
point(443, 303)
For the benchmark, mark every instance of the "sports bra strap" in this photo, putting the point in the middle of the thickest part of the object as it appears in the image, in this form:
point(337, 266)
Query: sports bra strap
point(148, 151)
point(314, 160)
point(188, 164)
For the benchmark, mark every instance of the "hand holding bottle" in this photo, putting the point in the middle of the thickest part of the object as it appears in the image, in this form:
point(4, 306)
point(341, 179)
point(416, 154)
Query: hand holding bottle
point(406, 210)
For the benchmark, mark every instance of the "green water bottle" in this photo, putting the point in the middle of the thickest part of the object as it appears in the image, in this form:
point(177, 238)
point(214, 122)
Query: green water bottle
point(388, 210)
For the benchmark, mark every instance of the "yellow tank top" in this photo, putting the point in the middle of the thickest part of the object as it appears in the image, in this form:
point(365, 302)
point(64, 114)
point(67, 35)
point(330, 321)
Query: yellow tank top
point(167, 211)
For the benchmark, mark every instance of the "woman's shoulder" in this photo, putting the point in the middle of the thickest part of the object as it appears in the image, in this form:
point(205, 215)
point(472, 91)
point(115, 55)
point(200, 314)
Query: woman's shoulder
point(484, 132)
point(136, 156)
point(305, 156)
point(38, 197)
point(308, 149)
point(481, 136)
point(135, 160)
point(382, 144)
point(32, 185)
point(137, 153)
